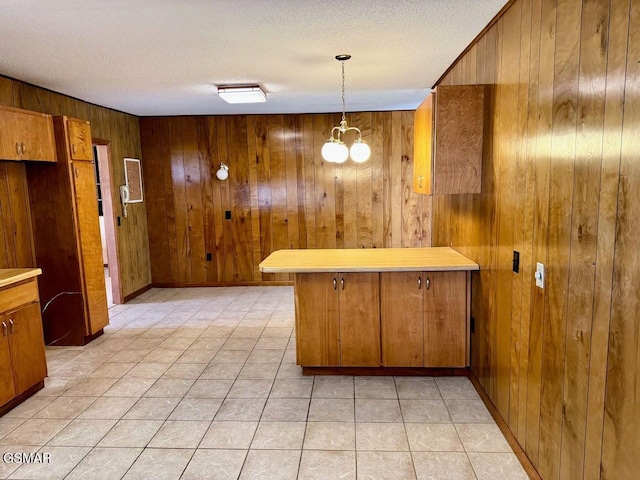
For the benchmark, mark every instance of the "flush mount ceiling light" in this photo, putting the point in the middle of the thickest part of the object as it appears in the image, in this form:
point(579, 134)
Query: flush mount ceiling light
point(242, 93)
point(223, 172)
point(334, 150)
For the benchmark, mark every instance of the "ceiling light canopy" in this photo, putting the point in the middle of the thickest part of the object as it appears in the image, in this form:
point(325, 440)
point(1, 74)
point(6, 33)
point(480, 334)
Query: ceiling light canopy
point(242, 93)
point(334, 150)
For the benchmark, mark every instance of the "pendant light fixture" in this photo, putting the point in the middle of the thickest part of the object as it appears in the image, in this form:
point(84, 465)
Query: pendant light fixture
point(334, 150)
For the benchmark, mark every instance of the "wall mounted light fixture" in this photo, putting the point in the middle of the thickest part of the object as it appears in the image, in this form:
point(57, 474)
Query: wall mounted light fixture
point(334, 150)
point(223, 171)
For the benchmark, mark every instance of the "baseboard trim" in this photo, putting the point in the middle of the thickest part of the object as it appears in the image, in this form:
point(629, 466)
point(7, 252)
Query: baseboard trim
point(504, 428)
point(140, 291)
point(21, 398)
point(378, 371)
point(221, 284)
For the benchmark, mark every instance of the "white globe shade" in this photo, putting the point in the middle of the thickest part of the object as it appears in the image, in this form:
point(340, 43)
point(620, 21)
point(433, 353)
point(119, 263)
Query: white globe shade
point(342, 153)
point(329, 151)
point(360, 151)
point(222, 173)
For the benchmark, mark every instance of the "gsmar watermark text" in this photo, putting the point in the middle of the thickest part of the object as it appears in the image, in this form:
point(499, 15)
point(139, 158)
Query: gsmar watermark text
point(25, 457)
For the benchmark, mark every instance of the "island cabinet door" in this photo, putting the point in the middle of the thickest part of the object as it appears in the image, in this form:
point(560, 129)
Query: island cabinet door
point(317, 319)
point(402, 305)
point(359, 319)
point(445, 319)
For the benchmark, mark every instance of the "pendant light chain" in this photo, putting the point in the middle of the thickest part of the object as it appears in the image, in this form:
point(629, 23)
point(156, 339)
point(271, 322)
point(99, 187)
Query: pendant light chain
point(344, 113)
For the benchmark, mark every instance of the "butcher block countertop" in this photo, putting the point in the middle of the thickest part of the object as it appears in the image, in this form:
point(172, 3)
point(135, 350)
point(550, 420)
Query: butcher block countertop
point(439, 259)
point(9, 276)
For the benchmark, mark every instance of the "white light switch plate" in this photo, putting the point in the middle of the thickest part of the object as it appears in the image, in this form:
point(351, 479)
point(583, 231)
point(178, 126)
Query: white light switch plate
point(539, 275)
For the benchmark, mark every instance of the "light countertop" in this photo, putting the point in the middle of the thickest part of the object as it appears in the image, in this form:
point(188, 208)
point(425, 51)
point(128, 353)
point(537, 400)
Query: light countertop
point(9, 276)
point(367, 260)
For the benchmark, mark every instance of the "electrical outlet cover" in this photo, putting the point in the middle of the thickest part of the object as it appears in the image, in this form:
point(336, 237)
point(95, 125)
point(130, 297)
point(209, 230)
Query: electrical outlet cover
point(539, 275)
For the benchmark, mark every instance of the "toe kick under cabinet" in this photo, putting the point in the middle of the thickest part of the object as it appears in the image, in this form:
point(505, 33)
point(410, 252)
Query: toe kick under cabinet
point(405, 307)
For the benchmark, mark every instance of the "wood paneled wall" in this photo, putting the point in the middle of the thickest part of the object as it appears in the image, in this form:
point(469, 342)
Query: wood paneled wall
point(280, 192)
point(122, 133)
point(560, 180)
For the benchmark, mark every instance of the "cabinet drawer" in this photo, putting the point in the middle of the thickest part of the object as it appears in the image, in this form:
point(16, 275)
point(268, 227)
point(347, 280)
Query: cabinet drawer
point(17, 295)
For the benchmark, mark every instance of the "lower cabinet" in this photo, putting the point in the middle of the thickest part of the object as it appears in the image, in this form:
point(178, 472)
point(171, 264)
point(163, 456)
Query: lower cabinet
point(390, 319)
point(337, 319)
point(22, 352)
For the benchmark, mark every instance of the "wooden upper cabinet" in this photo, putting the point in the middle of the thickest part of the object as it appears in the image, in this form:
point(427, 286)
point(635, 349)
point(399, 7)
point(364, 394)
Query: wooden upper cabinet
point(448, 143)
point(26, 136)
point(80, 144)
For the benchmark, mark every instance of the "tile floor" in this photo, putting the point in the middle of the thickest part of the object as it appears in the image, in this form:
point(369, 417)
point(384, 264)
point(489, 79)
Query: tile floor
point(202, 384)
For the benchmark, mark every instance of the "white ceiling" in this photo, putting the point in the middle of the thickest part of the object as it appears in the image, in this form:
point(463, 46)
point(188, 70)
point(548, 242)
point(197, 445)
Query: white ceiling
point(164, 57)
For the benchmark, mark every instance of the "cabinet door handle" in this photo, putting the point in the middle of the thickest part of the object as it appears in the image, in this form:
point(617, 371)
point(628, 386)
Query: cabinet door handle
point(420, 181)
point(419, 283)
point(4, 329)
point(17, 148)
point(12, 326)
point(342, 283)
point(24, 148)
point(335, 283)
point(428, 283)
point(73, 148)
point(77, 173)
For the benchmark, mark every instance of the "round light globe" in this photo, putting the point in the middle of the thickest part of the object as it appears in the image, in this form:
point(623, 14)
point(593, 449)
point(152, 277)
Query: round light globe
point(360, 151)
point(329, 151)
point(222, 173)
point(342, 153)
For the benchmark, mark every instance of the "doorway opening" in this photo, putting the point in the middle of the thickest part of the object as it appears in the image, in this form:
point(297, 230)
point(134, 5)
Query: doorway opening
point(104, 187)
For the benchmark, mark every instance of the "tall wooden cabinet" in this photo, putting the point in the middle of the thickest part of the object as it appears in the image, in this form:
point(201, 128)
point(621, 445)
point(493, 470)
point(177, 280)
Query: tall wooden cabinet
point(64, 209)
point(448, 140)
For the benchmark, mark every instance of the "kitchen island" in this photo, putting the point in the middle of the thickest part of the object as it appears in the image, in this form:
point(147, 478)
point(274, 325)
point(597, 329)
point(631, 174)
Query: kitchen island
point(379, 307)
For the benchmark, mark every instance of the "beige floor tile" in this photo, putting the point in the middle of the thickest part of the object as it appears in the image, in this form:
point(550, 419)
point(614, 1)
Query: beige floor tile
point(424, 411)
point(277, 332)
point(491, 466)
point(89, 387)
point(63, 460)
point(55, 386)
point(286, 410)
point(267, 343)
point(173, 342)
point(229, 435)
point(215, 465)
point(131, 433)
point(265, 356)
point(163, 355)
point(65, 407)
point(184, 371)
point(417, 388)
point(444, 466)
point(239, 343)
point(179, 434)
point(159, 464)
point(385, 466)
point(29, 408)
point(210, 388)
point(35, 431)
point(152, 409)
point(221, 371)
point(292, 388)
point(196, 409)
point(197, 355)
point(271, 465)
point(129, 387)
point(289, 371)
point(330, 436)
point(105, 464)
point(433, 437)
point(148, 370)
point(259, 371)
point(108, 408)
point(279, 436)
point(381, 437)
point(169, 387)
point(82, 433)
point(375, 387)
point(478, 437)
point(468, 411)
point(332, 410)
point(112, 369)
point(333, 387)
point(369, 410)
point(129, 355)
point(8, 424)
point(231, 356)
point(250, 389)
point(241, 409)
point(459, 388)
point(327, 465)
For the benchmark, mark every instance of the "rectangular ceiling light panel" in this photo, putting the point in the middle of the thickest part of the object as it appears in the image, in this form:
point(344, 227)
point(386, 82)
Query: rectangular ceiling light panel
point(244, 94)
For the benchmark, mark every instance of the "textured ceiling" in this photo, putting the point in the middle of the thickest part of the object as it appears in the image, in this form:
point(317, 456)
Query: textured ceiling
point(164, 57)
